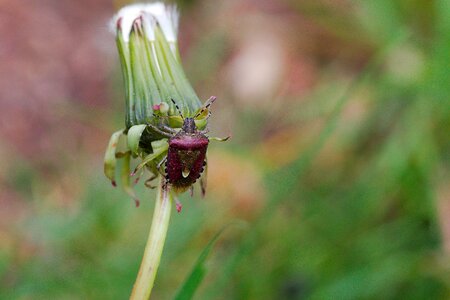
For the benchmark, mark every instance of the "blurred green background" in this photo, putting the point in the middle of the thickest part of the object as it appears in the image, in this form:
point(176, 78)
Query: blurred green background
point(338, 165)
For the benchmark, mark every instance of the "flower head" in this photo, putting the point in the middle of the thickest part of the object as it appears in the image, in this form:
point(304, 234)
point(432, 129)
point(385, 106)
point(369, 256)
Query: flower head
point(163, 112)
point(146, 36)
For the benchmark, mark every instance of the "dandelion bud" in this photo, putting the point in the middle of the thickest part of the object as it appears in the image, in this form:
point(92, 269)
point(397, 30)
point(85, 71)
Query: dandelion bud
point(146, 36)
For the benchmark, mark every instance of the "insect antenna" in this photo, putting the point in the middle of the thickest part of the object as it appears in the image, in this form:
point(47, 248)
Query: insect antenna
point(178, 108)
point(206, 105)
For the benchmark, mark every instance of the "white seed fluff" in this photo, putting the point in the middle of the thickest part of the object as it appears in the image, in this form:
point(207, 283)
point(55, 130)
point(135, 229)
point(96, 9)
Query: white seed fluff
point(152, 14)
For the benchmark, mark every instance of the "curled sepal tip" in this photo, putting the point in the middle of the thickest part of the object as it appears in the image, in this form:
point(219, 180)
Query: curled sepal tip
point(110, 160)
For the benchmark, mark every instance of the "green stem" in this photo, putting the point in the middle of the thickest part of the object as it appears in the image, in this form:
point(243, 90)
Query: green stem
point(155, 244)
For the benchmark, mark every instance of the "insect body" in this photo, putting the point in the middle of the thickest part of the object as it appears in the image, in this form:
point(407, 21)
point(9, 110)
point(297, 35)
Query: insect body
point(186, 157)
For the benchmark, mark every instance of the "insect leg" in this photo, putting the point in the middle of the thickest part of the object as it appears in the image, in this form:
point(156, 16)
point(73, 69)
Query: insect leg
point(206, 105)
point(148, 182)
point(142, 172)
point(158, 130)
point(165, 185)
point(169, 129)
point(220, 139)
point(204, 131)
point(203, 178)
point(159, 165)
point(125, 178)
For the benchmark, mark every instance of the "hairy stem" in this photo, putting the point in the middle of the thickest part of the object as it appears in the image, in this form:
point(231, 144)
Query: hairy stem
point(155, 244)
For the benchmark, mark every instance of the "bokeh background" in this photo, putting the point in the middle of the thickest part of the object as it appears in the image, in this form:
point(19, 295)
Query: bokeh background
point(338, 166)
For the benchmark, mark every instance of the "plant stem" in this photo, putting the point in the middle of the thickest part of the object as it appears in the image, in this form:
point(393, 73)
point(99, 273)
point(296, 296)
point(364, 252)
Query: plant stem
point(155, 244)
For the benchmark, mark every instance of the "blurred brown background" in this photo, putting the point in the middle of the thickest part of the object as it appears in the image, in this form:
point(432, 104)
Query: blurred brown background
point(339, 112)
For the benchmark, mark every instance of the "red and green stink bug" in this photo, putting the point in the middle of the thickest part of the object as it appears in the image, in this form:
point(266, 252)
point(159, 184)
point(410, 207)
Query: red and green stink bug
point(186, 156)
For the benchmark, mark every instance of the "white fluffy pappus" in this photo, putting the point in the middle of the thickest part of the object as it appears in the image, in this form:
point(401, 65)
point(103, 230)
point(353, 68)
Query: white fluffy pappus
point(151, 13)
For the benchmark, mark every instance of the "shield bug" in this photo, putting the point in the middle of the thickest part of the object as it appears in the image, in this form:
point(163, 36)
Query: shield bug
point(186, 156)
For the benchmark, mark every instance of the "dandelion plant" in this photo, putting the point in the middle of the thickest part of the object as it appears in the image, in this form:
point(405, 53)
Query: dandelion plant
point(165, 123)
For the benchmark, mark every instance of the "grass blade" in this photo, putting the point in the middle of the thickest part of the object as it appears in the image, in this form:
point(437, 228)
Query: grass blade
point(197, 274)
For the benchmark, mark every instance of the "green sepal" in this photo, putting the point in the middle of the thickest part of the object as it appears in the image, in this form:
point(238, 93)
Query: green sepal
point(124, 55)
point(160, 144)
point(201, 123)
point(133, 138)
point(187, 98)
point(125, 178)
point(159, 148)
point(177, 122)
point(110, 160)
